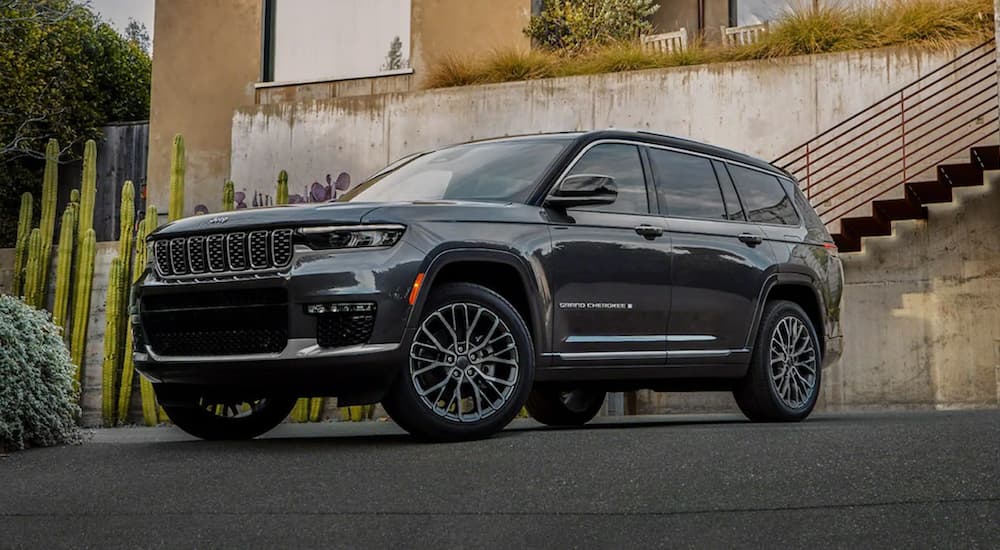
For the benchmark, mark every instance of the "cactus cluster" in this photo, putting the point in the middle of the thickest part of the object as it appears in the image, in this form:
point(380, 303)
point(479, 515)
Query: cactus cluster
point(282, 195)
point(177, 168)
point(117, 345)
point(128, 365)
point(357, 413)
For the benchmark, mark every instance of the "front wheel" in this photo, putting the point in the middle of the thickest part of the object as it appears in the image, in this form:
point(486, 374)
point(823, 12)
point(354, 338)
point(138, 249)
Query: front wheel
point(564, 407)
point(230, 419)
point(471, 365)
point(782, 384)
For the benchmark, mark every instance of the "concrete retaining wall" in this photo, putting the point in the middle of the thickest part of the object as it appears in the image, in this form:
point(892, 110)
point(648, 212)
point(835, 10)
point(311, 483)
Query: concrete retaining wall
point(764, 108)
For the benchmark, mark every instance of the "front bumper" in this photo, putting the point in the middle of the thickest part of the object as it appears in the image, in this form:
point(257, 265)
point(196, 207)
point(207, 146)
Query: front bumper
point(382, 277)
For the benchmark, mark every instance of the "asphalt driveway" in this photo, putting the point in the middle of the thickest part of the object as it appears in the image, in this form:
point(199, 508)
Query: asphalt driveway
point(847, 480)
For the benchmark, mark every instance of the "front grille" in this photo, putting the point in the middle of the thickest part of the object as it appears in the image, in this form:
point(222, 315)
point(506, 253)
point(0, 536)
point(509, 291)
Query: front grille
point(344, 329)
point(216, 323)
point(224, 252)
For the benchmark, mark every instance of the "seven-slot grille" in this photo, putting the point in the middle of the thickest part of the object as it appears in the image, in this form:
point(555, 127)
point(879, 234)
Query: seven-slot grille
point(228, 252)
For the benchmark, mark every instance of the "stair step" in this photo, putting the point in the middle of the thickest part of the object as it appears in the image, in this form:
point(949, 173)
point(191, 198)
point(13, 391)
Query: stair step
point(960, 175)
point(847, 243)
point(865, 227)
point(986, 158)
point(899, 209)
point(929, 192)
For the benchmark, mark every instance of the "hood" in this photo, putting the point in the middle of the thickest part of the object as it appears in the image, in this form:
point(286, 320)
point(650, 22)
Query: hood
point(334, 213)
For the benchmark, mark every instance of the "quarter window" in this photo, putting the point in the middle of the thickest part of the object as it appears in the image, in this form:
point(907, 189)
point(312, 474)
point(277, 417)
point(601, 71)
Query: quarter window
point(686, 185)
point(763, 197)
point(622, 163)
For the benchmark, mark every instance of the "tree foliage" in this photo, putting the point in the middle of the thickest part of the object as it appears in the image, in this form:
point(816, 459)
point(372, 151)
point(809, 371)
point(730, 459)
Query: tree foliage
point(65, 73)
point(581, 24)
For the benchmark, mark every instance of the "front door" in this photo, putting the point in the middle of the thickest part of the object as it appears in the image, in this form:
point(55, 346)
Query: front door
point(609, 270)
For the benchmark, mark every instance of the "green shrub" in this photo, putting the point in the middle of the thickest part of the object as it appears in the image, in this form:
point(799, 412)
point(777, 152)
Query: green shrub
point(579, 24)
point(37, 400)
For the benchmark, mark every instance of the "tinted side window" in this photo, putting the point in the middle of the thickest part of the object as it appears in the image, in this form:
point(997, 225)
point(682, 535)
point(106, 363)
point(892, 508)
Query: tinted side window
point(763, 197)
point(622, 163)
point(686, 185)
point(816, 227)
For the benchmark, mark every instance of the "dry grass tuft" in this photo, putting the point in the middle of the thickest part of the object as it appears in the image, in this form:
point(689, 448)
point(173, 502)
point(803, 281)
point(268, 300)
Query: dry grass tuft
point(927, 23)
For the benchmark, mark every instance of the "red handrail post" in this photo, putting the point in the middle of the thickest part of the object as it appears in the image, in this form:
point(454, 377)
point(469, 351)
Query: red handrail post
point(808, 174)
point(902, 129)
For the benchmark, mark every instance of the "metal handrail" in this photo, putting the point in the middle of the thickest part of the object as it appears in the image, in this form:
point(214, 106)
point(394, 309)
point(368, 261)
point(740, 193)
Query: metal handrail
point(920, 80)
point(988, 126)
point(903, 145)
point(894, 133)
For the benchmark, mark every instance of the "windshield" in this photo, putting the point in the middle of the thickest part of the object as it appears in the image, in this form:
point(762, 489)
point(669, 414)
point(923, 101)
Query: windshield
point(504, 171)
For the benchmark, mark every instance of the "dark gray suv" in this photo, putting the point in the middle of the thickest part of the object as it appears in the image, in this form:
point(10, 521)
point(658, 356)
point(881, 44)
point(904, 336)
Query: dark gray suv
point(459, 285)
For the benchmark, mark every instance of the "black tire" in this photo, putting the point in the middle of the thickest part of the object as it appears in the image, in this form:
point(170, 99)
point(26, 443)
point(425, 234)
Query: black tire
point(556, 406)
point(759, 395)
point(436, 420)
point(202, 419)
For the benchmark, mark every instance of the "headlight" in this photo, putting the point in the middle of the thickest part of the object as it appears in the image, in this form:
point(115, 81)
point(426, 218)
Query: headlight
point(352, 236)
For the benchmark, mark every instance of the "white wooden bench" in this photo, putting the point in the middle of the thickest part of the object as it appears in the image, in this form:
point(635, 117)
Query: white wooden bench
point(668, 42)
point(743, 36)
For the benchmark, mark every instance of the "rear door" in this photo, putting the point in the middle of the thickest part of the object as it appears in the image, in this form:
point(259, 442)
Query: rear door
point(719, 261)
point(609, 269)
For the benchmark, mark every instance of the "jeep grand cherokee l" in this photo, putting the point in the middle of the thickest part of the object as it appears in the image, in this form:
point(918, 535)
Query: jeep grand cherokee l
point(459, 285)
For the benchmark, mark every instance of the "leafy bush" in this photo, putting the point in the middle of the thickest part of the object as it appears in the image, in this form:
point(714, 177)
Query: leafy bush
point(37, 398)
point(581, 24)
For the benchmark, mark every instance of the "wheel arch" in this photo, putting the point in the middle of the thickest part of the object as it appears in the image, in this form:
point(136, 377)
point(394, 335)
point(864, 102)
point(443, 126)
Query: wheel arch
point(799, 289)
point(503, 272)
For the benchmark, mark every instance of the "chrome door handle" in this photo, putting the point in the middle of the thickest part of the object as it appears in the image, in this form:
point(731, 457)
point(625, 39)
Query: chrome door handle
point(750, 239)
point(649, 231)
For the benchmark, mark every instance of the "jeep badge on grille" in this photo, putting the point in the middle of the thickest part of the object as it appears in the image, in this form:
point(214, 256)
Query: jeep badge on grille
point(219, 219)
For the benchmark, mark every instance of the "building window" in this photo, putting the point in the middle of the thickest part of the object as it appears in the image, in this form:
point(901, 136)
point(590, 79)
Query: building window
point(308, 40)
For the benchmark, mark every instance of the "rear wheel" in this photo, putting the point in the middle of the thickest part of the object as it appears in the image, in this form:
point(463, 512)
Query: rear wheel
point(230, 419)
point(564, 407)
point(471, 365)
point(782, 384)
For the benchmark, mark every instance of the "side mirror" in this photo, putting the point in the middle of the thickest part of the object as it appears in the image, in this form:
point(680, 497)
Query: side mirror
point(583, 190)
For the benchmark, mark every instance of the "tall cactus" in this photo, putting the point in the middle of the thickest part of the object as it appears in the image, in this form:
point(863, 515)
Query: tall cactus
point(47, 222)
point(128, 364)
point(282, 195)
point(112, 317)
point(81, 302)
point(32, 268)
point(177, 167)
point(74, 197)
point(150, 413)
point(126, 243)
point(300, 412)
point(64, 266)
point(84, 222)
point(21, 245)
point(228, 196)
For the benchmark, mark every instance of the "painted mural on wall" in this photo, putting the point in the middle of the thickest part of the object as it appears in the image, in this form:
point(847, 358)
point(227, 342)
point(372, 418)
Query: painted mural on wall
point(330, 189)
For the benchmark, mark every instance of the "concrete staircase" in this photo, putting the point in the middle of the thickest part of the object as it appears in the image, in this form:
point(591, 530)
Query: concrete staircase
point(917, 196)
point(888, 161)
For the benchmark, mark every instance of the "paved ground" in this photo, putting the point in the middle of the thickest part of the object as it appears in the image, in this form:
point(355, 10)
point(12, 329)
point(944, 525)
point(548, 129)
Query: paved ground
point(858, 480)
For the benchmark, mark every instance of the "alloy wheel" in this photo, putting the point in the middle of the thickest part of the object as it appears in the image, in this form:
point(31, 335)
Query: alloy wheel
point(793, 362)
point(464, 362)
